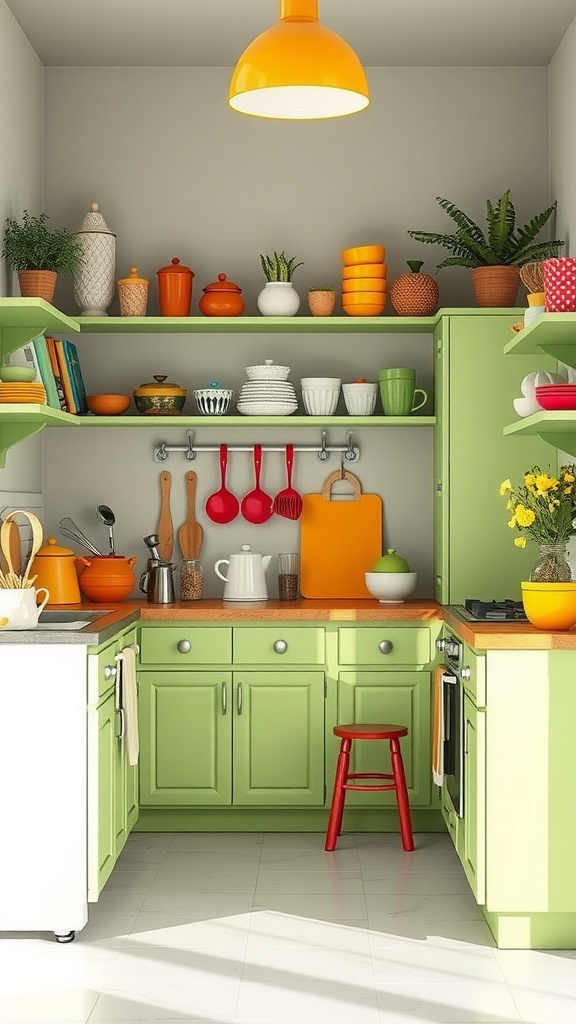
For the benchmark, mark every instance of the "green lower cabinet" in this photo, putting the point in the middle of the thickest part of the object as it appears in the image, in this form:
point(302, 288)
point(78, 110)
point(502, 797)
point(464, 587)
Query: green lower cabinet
point(101, 815)
point(278, 739)
point(125, 791)
point(473, 848)
point(397, 698)
point(186, 738)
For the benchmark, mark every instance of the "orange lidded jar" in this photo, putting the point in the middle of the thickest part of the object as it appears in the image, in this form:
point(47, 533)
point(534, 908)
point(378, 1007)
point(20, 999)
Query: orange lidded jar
point(222, 298)
point(54, 569)
point(175, 289)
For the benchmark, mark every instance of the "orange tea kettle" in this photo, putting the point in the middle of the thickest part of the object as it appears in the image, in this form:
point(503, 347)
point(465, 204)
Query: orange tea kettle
point(55, 570)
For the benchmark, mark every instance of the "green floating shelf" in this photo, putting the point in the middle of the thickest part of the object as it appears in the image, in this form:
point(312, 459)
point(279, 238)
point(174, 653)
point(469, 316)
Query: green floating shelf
point(247, 421)
point(553, 333)
point(256, 325)
point(557, 428)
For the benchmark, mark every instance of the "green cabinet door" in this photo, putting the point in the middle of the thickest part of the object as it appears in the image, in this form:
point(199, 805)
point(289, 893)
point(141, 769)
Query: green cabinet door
point(473, 854)
point(185, 728)
point(120, 822)
point(475, 387)
point(278, 739)
point(102, 823)
point(397, 698)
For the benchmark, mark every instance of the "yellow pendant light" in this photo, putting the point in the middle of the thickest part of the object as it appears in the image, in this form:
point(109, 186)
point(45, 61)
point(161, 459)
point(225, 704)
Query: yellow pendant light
point(299, 70)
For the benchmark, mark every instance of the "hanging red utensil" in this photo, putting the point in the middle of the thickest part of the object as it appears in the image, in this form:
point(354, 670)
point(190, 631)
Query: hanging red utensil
point(256, 506)
point(222, 506)
point(288, 503)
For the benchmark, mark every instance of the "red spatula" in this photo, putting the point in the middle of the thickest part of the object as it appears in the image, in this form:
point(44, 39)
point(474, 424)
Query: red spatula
point(288, 502)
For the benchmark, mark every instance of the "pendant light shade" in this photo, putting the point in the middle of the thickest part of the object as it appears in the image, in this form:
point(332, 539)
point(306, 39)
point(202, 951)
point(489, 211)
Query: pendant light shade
point(299, 70)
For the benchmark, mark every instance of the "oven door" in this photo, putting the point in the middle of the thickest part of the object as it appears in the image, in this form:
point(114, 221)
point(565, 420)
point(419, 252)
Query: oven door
point(454, 739)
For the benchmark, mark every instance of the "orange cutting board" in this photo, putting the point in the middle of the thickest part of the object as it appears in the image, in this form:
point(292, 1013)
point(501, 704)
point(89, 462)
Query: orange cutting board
point(340, 539)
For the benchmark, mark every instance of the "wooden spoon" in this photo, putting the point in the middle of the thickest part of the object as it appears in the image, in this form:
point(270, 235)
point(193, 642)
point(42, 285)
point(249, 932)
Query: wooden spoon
point(191, 534)
point(165, 528)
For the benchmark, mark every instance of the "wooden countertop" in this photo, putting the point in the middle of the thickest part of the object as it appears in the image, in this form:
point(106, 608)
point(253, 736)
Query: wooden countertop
point(508, 636)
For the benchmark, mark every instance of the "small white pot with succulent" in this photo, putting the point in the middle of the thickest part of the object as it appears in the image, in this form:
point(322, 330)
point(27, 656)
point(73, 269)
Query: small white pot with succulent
point(278, 297)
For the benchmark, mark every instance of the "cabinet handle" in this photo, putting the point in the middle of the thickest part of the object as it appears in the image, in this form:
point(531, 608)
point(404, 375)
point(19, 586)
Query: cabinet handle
point(110, 672)
point(465, 672)
point(466, 727)
point(120, 735)
point(224, 698)
point(385, 646)
point(184, 646)
point(280, 647)
point(239, 698)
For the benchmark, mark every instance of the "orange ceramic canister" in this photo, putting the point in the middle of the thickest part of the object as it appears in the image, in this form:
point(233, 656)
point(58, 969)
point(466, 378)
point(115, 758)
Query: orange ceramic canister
point(54, 569)
point(106, 577)
point(222, 298)
point(175, 289)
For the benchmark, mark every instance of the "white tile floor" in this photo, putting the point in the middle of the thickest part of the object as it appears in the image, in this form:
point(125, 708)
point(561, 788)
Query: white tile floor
point(251, 928)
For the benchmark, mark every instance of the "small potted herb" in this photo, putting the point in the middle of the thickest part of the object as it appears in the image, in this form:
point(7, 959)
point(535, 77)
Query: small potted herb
point(321, 299)
point(38, 254)
point(278, 297)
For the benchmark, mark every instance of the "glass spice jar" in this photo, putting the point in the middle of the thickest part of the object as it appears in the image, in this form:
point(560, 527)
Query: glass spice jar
point(191, 580)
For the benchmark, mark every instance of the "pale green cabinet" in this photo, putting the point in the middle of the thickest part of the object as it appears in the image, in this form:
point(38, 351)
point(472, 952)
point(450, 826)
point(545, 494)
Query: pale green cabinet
point(473, 847)
point(101, 822)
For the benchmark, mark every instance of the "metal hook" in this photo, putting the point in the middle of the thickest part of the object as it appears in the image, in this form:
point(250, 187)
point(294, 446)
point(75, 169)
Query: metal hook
point(350, 454)
point(162, 454)
point(323, 454)
point(190, 454)
point(342, 470)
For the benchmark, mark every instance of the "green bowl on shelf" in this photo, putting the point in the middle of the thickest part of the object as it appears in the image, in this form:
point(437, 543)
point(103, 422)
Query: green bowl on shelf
point(12, 374)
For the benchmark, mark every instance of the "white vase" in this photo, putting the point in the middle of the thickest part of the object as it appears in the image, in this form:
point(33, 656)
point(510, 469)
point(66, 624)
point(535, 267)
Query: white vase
point(95, 278)
point(278, 298)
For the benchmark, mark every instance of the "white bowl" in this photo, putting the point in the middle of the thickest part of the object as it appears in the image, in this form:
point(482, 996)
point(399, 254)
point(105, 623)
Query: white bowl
point(527, 406)
point(360, 399)
point(391, 587)
point(266, 408)
point(267, 371)
point(213, 401)
point(320, 401)
point(320, 382)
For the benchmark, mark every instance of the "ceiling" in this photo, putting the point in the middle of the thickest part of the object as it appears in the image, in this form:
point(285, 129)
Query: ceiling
point(184, 33)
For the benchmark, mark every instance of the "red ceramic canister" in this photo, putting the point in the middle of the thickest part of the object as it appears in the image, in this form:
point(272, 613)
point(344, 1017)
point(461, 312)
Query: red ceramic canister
point(560, 284)
point(175, 289)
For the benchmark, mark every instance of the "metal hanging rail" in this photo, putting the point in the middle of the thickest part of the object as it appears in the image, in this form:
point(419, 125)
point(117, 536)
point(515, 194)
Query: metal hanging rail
point(349, 451)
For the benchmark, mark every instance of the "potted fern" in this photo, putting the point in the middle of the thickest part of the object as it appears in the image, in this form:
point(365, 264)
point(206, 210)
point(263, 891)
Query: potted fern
point(38, 254)
point(278, 297)
point(496, 255)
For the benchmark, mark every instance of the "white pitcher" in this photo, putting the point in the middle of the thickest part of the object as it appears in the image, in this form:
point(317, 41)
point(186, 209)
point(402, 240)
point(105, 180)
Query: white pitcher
point(18, 608)
point(246, 579)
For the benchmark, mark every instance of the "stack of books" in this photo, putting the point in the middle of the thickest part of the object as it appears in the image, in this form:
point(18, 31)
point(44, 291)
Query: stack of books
point(58, 368)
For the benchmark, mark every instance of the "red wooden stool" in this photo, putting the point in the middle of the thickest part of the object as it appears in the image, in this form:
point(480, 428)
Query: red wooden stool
point(358, 731)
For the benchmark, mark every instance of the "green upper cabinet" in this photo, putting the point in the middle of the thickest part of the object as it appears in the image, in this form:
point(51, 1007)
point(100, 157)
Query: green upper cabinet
point(476, 384)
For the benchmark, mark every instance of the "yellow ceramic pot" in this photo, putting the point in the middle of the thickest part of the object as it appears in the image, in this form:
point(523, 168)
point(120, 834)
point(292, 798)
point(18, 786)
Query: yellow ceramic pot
point(550, 605)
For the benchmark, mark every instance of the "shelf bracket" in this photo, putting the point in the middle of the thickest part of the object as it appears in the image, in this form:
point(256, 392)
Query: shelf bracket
point(348, 451)
point(12, 433)
point(565, 442)
point(12, 338)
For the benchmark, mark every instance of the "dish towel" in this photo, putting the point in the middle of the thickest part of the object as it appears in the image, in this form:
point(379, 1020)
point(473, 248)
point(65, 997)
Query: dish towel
point(127, 659)
point(438, 728)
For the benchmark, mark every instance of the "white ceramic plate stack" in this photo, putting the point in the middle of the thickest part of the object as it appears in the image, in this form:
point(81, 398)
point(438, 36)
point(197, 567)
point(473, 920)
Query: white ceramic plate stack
point(267, 392)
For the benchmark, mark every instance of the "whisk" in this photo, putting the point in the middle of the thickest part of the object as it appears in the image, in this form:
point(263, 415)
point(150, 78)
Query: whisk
point(532, 276)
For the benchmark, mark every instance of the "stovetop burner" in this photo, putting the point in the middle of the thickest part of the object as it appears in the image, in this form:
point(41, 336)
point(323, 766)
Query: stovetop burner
point(495, 611)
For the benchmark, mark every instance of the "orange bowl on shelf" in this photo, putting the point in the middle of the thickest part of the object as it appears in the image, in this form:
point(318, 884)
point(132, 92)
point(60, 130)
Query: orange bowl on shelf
point(363, 298)
point(108, 405)
point(364, 308)
point(364, 284)
point(356, 270)
point(363, 254)
point(550, 605)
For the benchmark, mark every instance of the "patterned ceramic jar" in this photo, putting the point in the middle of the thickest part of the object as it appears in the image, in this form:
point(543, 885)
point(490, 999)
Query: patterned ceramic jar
point(560, 284)
point(95, 279)
point(133, 294)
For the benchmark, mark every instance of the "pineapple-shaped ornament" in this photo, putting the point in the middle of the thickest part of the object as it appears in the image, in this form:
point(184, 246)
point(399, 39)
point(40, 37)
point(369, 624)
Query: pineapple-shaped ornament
point(414, 294)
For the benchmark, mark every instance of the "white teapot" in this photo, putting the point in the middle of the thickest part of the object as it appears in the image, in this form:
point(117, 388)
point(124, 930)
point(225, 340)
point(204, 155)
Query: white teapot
point(246, 579)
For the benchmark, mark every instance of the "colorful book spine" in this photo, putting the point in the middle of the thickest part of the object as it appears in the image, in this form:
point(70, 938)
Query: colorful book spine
point(56, 371)
point(75, 371)
point(65, 375)
point(46, 374)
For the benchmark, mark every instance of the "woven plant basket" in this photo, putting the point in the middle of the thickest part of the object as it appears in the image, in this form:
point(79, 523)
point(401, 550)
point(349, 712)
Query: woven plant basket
point(321, 303)
point(37, 284)
point(496, 286)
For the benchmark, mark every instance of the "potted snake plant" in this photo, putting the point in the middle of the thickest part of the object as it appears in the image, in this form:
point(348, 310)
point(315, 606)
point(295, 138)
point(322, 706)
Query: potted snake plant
point(278, 297)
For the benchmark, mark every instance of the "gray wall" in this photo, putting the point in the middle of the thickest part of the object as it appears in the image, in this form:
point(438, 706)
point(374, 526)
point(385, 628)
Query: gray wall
point(562, 90)
point(177, 173)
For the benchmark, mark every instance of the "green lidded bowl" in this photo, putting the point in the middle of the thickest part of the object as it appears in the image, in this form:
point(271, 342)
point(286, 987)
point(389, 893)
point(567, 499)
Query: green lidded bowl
point(391, 562)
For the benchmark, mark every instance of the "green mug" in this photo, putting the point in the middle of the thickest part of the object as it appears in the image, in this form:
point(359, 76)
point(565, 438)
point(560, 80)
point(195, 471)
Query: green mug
point(399, 396)
point(404, 372)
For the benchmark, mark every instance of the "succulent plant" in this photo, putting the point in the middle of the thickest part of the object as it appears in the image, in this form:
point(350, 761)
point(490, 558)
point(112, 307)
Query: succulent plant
point(278, 267)
point(321, 288)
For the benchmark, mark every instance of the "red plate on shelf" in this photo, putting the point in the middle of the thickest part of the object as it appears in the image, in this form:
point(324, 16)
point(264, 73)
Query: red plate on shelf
point(557, 402)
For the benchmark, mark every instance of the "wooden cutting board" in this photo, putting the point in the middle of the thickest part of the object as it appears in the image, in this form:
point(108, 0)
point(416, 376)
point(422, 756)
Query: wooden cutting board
point(340, 539)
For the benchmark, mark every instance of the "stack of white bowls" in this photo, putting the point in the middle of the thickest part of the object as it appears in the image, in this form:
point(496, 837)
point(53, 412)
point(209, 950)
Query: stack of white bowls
point(320, 395)
point(267, 392)
point(360, 397)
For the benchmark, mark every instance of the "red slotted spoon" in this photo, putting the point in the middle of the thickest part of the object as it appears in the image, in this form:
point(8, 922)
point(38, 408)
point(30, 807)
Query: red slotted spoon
point(288, 502)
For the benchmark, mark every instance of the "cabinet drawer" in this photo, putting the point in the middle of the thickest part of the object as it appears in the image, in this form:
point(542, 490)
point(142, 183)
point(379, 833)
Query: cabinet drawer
point(278, 645)
point(102, 669)
point(383, 646)
point(186, 645)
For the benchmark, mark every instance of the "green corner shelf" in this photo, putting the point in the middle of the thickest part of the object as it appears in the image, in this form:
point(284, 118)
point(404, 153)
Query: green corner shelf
point(553, 333)
point(557, 428)
point(23, 319)
point(17, 422)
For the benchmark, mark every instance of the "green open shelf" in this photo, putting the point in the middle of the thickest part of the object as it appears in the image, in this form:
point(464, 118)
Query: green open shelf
point(22, 319)
point(553, 333)
point(255, 324)
point(558, 428)
point(18, 422)
point(247, 421)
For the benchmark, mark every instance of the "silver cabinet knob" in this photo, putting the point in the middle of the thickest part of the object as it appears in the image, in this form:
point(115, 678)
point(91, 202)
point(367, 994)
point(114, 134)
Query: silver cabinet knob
point(465, 672)
point(280, 647)
point(110, 672)
point(385, 646)
point(184, 646)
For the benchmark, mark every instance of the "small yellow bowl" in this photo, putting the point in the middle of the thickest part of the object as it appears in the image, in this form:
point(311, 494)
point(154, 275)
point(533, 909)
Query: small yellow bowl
point(364, 284)
point(364, 254)
point(364, 308)
point(550, 605)
point(379, 270)
point(363, 298)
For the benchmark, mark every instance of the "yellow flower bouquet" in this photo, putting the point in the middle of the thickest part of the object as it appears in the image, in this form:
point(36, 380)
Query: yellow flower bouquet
point(543, 508)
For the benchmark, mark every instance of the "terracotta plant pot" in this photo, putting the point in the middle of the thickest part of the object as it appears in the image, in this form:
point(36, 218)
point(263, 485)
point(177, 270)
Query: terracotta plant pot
point(37, 284)
point(496, 286)
point(321, 303)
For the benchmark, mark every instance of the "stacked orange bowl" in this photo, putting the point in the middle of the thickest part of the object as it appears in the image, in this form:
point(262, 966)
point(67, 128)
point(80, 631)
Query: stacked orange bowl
point(364, 280)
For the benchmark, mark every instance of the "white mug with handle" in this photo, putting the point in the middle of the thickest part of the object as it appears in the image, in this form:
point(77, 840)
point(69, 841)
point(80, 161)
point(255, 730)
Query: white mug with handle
point(18, 608)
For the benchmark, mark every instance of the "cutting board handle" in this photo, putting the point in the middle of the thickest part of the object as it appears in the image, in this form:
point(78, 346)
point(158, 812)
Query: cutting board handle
point(341, 474)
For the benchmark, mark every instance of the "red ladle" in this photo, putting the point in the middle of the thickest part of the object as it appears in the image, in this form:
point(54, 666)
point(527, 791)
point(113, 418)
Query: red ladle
point(256, 506)
point(222, 506)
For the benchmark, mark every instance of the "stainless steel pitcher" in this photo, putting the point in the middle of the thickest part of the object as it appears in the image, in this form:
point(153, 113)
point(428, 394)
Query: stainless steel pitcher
point(158, 582)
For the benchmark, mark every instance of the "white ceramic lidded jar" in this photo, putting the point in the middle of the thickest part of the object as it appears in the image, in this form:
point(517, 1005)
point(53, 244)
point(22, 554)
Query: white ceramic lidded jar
point(95, 278)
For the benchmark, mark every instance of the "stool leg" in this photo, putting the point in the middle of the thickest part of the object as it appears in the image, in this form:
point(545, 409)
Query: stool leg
point(401, 795)
point(338, 796)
